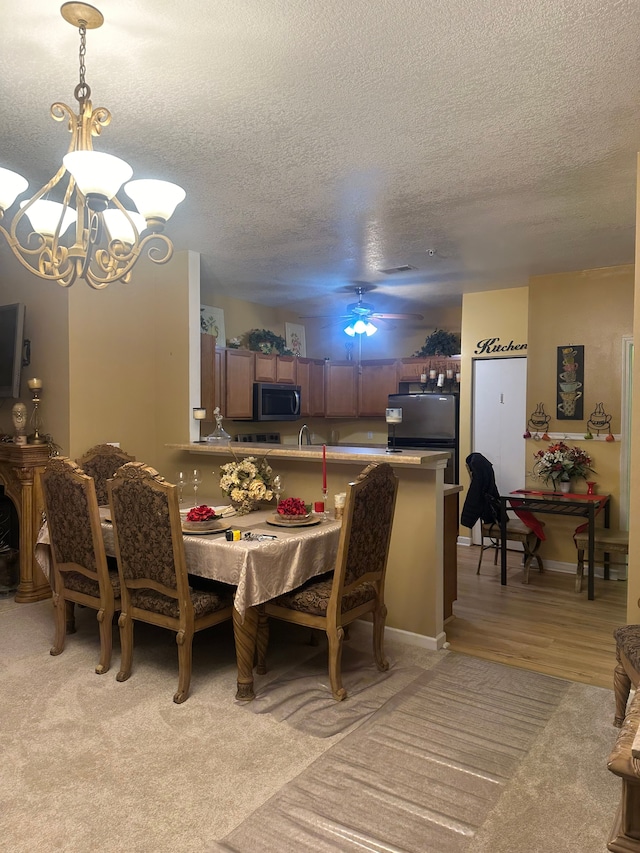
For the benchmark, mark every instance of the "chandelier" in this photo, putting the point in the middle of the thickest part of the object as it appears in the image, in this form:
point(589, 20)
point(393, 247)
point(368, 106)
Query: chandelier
point(109, 238)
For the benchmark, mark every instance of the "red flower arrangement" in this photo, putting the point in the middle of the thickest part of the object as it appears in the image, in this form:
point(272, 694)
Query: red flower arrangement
point(202, 513)
point(292, 506)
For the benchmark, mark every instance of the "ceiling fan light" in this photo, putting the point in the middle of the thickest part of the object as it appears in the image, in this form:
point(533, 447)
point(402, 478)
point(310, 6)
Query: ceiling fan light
point(155, 199)
point(370, 329)
point(118, 226)
point(44, 216)
point(349, 330)
point(97, 173)
point(11, 186)
point(360, 327)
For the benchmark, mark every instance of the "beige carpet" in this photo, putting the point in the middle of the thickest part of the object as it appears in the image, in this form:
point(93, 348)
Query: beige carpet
point(89, 764)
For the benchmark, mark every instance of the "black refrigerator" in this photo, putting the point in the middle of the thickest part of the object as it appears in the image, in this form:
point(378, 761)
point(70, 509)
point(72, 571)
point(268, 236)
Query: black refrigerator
point(429, 422)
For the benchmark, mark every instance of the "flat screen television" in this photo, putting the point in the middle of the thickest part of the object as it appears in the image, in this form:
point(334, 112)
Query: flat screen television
point(11, 345)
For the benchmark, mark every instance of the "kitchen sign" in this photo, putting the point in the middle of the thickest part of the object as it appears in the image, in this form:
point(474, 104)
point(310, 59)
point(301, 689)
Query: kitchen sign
point(490, 346)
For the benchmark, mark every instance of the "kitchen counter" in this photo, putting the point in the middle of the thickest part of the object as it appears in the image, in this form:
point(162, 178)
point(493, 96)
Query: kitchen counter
point(414, 589)
point(410, 457)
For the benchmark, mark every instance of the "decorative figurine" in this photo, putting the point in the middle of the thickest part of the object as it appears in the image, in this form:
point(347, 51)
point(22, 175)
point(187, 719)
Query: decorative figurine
point(19, 418)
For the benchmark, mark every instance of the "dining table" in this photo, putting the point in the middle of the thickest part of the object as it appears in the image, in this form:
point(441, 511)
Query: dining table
point(271, 560)
point(578, 506)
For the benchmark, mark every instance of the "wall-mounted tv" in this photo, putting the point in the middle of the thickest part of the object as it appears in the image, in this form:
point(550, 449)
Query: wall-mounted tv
point(11, 345)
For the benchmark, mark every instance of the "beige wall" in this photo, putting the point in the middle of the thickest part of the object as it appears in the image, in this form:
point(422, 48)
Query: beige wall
point(501, 314)
point(593, 308)
point(47, 327)
point(633, 604)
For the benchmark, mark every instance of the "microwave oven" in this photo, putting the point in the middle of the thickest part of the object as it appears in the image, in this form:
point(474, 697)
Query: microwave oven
point(275, 402)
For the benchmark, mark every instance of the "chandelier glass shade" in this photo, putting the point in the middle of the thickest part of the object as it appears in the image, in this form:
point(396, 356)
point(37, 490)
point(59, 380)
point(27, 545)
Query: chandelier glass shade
point(360, 327)
point(108, 239)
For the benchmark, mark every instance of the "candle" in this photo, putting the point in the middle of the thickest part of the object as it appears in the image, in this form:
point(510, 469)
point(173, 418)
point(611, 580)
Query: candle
point(440, 380)
point(324, 467)
point(423, 378)
point(449, 374)
point(200, 414)
point(34, 384)
point(457, 377)
point(393, 416)
point(432, 374)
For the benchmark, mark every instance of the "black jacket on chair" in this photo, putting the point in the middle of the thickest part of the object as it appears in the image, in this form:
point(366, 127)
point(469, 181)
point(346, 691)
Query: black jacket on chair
point(482, 500)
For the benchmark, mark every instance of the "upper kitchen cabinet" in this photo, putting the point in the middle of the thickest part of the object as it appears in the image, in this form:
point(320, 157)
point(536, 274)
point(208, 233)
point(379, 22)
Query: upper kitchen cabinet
point(239, 372)
point(377, 379)
point(340, 389)
point(212, 376)
point(411, 369)
point(275, 368)
point(310, 378)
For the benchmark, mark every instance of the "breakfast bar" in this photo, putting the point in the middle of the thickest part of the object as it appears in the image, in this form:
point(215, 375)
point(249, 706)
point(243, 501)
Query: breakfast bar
point(414, 582)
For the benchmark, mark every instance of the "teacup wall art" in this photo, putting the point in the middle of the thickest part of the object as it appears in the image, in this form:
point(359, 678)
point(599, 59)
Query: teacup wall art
point(570, 383)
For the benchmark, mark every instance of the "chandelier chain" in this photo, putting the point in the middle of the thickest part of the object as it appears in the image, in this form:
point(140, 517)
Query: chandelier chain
point(83, 91)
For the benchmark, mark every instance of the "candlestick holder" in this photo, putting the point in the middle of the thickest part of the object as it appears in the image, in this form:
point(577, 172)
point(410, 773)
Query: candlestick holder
point(320, 507)
point(35, 386)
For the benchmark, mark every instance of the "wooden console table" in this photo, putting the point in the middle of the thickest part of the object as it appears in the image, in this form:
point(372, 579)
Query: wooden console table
point(20, 468)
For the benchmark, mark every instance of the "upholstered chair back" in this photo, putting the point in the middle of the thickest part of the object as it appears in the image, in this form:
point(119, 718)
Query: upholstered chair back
point(368, 517)
point(101, 462)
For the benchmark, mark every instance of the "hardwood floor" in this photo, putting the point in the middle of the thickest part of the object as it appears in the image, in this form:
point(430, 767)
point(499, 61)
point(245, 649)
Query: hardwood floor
point(544, 626)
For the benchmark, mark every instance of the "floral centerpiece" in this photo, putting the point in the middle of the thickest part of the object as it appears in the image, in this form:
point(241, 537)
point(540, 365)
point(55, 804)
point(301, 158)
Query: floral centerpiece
point(247, 482)
point(560, 463)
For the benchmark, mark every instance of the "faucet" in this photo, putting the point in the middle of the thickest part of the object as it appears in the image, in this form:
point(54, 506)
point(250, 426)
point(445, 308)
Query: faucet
point(304, 430)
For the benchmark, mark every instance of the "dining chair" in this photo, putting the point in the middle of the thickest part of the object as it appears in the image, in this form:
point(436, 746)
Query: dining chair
point(356, 586)
point(101, 462)
point(482, 503)
point(606, 541)
point(80, 573)
point(153, 575)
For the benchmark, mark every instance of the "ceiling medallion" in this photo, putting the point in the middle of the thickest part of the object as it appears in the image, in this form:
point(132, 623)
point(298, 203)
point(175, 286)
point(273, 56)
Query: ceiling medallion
point(108, 238)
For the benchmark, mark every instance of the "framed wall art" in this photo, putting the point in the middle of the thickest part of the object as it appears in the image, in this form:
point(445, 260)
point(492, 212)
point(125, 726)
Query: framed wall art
point(570, 383)
point(295, 338)
point(212, 323)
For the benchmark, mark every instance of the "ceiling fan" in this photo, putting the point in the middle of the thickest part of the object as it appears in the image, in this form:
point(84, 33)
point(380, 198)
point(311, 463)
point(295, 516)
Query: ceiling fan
point(361, 314)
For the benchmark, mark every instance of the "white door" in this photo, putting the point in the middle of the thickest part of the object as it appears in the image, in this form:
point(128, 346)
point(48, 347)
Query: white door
point(500, 418)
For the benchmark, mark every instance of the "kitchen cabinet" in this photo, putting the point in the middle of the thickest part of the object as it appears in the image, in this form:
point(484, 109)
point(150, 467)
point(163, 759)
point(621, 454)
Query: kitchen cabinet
point(275, 368)
point(212, 376)
point(310, 378)
point(340, 389)
point(239, 376)
point(376, 380)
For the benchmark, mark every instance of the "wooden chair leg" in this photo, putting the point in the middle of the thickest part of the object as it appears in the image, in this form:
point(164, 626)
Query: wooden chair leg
point(105, 623)
point(335, 637)
point(580, 570)
point(379, 619)
point(184, 639)
point(71, 616)
point(59, 621)
point(125, 623)
point(622, 688)
point(481, 553)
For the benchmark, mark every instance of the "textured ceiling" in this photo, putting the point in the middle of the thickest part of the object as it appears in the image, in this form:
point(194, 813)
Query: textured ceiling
point(320, 142)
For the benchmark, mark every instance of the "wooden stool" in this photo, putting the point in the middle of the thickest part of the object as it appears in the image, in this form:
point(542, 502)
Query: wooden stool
point(517, 531)
point(605, 541)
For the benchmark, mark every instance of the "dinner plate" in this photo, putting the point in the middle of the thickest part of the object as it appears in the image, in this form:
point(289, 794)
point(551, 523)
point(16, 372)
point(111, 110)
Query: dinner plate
point(204, 532)
point(304, 522)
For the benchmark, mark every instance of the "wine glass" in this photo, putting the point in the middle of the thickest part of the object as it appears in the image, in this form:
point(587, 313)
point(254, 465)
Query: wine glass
point(180, 483)
point(195, 480)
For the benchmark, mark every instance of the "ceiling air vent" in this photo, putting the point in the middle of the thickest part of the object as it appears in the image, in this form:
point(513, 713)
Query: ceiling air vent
point(395, 270)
